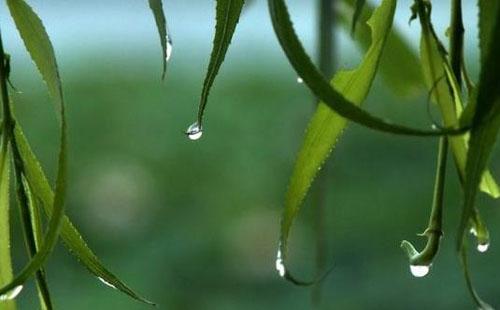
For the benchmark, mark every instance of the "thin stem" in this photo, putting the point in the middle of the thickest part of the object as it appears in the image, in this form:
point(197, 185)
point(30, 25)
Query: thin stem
point(326, 64)
point(456, 40)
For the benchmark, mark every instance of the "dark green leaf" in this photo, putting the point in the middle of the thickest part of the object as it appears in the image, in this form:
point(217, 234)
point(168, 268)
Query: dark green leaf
point(326, 126)
point(73, 240)
point(487, 18)
point(465, 266)
point(398, 55)
point(227, 16)
point(321, 88)
point(5, 258)
point(486, 124)
point(165, 40)
point(38, 44)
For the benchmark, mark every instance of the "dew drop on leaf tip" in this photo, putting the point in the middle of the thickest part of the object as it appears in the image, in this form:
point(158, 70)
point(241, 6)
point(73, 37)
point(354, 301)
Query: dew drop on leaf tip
point(194, 132)
point(483, 247)
point(12, 293)
point(280, 267)
point(168, 52)
point(419, 271)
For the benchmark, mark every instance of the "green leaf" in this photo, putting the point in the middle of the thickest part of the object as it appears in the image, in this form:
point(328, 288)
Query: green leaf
point(227, 16)
point(435, 66)
point(5, 258)
point(487, 9)
point(398, 55)
point(72, 239)
point(465, 266)
point(165, 40)
point(326, 126)
point(486, 124)
point(38, 44)
point(321, 88)
point(358, 9)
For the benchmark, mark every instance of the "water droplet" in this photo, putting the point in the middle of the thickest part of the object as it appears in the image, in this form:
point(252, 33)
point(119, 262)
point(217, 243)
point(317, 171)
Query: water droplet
point(300, 80)
point(280, 266)
point(473, 232)
point(434, 127)
point(483, 247)
point(194, 132)
point(168, 52)
point(419, 270)
point(12, 293)
point(106, 282)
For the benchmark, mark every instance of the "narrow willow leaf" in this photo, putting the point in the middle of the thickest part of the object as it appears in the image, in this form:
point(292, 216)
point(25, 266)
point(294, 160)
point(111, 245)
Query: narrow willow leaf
point(38, 44)
point(72, 239)
point(5, 258)
point(227, 16)
point(487, 9)
point(165, 39)
point(465, 266)
point(326, 126)
point(435, 66)
point(398, 55)
point(486, 124)
point(315, 81)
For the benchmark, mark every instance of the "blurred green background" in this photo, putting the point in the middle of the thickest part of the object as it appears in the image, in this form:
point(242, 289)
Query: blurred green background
point(194, 225)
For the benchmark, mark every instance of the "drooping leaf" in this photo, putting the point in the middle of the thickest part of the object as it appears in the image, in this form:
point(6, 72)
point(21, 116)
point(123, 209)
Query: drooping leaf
point(5, 257)
point(39, 47)
point(326, 126)
point(486, 124)
point(439, 78)
point(398, 55)
point(470, 286)
point(165, 39)
point(487, 9)
point(72, 239)
point(227, 16)
point(321, 88)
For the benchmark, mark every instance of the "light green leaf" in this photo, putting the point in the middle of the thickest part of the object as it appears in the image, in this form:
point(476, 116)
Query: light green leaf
point(321, 88)
point(72, 239)
point(326, 126)
point(227, 16)
point(439, 78)
point(38, 44)
point(398, 55)
point(486, 124)
point(161, 23)
point(5, 258)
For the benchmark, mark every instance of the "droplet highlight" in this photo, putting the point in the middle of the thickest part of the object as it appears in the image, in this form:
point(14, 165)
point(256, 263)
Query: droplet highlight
point(280, 266)
point(106, 283)
point(12, 294)
point(169, 48)
point(300, 80)
point(194, 132)
point(419, 271)
point(483, 247)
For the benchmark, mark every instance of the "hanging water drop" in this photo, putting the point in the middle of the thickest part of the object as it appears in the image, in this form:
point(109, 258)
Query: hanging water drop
point(483, 247)
point(106, 283)
point(280, 266)
point(419, 270)
point(13, 293)
point(300, 80)
point(194, 132)
point(168, 51)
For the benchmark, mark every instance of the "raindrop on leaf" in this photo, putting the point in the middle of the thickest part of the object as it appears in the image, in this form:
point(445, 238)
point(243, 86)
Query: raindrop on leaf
point(300, 80)
point(106, 283)
point(280, 267)
point(194, 132)
point(483, 247)
point(12, 293)
point(419, 271)
point(170, 46)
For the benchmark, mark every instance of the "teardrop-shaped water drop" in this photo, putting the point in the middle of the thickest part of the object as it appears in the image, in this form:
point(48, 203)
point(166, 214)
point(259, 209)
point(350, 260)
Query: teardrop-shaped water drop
point(300, 80)
point(170, 46)
point(419, 270)
point(280, 266)
point(483, 247)
point(106, 283)
point(13, 293)
point(194, 132)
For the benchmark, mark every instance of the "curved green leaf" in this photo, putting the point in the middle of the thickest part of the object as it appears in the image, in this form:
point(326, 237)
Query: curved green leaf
point(227, 16)
point(72, 239)
point(486, 124)
point(320, 87)
point(470, 286)
point(38, 44)
point(326, 126)
point(5, 257)
point(398, 55)
point(435, 66)
point(165, 40)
